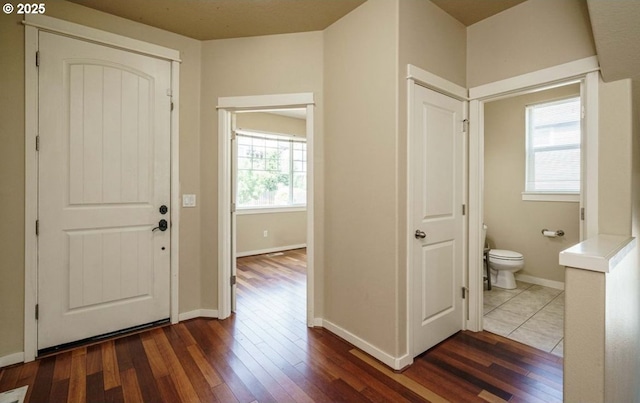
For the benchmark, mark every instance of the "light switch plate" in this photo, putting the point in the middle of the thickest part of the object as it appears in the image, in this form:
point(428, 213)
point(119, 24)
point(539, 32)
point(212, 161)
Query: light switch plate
point(188, 200)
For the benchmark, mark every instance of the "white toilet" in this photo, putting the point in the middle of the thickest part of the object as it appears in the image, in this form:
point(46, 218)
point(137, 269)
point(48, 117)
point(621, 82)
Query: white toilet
point(502, 265)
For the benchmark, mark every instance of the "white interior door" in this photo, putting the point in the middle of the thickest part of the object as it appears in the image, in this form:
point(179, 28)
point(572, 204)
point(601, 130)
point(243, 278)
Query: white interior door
point(437, 146)
point(104, 173)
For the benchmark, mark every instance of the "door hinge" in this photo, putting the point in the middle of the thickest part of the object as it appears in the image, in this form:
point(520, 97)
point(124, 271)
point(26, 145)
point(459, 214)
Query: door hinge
point(233, 135)
point(233, 207)
point(38, 58)
point(464, 209)
point(582, 112)
point(582, 213)
point(37, 143)
point(171, 106)
point(465, 290)
point(465, 125)
point(233, 280)
point(37, 227)
point(37, 311)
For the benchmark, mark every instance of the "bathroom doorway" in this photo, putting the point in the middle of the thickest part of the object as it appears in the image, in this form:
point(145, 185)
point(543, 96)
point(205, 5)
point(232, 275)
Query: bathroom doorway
point(532, 185)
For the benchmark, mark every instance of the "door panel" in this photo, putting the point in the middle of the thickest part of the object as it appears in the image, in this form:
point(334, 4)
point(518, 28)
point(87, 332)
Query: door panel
point(104, 171)
point(436, 191)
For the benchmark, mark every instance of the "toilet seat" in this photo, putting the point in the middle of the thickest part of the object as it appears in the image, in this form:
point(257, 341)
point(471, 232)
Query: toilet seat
point(505, 255)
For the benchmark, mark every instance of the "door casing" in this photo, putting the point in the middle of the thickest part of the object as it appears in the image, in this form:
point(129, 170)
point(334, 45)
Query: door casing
point(33, 24)
point(226, 252)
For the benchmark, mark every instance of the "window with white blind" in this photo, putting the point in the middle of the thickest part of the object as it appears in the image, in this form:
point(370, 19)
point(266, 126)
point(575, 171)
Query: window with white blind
point(272, 171)
point(553, 149)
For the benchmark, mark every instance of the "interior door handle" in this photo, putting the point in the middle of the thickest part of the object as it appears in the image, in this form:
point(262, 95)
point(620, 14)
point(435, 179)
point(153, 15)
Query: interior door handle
point(420, 234)
point(162, 225)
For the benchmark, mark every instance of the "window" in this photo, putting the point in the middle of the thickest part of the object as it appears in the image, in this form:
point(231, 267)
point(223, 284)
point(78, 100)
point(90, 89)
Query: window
point(272, 171)
point(553, 147)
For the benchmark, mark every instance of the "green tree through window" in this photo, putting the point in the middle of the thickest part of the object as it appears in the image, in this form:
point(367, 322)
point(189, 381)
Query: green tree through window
point(271, 171)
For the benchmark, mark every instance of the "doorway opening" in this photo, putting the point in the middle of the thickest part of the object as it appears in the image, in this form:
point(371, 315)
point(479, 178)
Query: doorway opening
point(269, 186)
point(532, 154)
point(266, 189)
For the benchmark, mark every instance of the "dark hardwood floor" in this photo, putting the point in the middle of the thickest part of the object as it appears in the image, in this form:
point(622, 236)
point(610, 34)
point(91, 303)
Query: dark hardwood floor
point(266, 353)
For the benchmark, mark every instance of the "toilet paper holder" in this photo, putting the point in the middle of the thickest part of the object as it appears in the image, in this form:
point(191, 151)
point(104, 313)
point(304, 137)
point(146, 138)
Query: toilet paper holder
point(552, 234)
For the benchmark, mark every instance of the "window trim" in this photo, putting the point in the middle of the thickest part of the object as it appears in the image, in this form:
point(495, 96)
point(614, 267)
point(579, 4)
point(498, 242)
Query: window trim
point(549, 195)
point(282, 208)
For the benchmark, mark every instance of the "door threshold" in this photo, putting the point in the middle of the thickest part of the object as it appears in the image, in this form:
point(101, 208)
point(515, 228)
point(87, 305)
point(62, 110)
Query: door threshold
point(100, 338)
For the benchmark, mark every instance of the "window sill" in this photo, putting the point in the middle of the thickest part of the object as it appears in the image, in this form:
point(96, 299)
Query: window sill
point(270, 210)
point(551, 197)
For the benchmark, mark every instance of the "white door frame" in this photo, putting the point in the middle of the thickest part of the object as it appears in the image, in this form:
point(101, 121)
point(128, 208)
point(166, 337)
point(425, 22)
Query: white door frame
point(417, 76)
point(226, 106)
point(585, 70)
point(34, 24)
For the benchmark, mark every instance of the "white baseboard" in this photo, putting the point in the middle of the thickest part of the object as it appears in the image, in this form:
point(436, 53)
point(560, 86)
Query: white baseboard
point(317, 322)
point(270, 250)
point(11, 359)
point(198, 313)
point(390, 361)
point(558, 285)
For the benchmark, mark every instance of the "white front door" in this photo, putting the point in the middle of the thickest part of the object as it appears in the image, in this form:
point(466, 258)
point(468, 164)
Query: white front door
point(436, 191)
point(104, 173)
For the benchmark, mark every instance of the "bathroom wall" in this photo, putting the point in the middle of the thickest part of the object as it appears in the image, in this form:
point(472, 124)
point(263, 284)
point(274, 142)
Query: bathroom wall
point(284, 229)
point(515, 224)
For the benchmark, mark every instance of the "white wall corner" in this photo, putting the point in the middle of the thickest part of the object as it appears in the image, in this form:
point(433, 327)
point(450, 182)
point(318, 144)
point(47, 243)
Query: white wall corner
point(395, 363)
point(15, 358)
point(198, 313)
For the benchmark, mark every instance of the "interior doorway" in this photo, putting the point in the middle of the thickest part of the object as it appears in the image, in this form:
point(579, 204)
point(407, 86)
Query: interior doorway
point(532, 154)
point(231, 111)
point(269, 190)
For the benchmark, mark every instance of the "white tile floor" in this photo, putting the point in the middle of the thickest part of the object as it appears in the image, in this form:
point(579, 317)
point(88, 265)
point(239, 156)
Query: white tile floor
point(530, 314)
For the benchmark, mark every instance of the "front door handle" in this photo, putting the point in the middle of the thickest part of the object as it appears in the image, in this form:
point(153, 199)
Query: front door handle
point(420, 234)
point(162, 225)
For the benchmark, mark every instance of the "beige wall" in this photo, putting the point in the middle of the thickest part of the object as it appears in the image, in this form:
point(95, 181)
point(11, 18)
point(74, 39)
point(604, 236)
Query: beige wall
point(284, 229)
point(12, 157)
point(276, 64)
point(614, 158)
point(361, 266)
point(530, 36)
point(271, 123)
point(11, 184)
point(515, 224)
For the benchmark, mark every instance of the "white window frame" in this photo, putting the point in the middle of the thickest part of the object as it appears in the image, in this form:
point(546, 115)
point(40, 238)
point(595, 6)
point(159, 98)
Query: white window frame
point(545, 195)
point(286, 208)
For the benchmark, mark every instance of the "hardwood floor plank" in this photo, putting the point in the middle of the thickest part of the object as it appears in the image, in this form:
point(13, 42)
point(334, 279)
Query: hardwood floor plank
point(176, 371)
point(95, 388)
point(94, 359)
point(59, 391)
point(193, 373)
point(156, 361)
point(78, 377)
point(130, 387)
point(41, 388)
point(144, 374)
point(168, 390)
point(63, 366)
point(110, 370)
point(224, 394)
